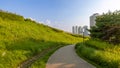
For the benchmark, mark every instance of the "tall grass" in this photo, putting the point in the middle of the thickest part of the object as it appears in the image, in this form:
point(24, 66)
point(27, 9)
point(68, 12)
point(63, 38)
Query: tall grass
point(21, 39)
point(103, 54)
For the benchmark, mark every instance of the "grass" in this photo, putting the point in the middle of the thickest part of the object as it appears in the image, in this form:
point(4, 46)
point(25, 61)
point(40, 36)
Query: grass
point(41, 62)
point(22, 38)
point(102, 54)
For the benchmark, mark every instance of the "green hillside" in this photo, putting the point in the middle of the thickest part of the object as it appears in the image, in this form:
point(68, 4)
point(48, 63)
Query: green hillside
point(22, 38)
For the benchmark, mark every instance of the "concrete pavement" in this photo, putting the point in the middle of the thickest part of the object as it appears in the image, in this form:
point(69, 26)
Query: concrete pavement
point(66, 57)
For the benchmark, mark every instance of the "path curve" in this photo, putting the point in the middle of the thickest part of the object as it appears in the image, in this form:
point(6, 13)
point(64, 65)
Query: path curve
point(66, 57)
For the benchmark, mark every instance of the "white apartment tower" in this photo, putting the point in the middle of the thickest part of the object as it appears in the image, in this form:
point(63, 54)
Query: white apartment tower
point(86, 32)
point(80, 30)
point(76, 29)
point(92, 19)
point(73, 30)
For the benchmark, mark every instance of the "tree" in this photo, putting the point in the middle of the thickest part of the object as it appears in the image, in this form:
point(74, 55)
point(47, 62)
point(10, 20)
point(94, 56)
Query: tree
point(107, 27)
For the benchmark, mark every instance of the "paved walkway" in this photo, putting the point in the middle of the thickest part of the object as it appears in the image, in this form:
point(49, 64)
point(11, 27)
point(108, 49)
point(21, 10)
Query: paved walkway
point(66, 57)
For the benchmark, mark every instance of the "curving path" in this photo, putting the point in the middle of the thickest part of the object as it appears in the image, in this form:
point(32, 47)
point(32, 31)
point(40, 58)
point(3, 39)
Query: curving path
point(66, 57)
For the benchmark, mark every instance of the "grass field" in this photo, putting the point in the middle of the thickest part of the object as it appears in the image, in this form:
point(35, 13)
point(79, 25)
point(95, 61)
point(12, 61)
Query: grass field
point(22, 38)
point(103, 54)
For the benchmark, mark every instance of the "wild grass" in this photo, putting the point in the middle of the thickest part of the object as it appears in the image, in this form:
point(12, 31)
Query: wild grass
point(41, 62)
point(101, 53)
point(21, 39)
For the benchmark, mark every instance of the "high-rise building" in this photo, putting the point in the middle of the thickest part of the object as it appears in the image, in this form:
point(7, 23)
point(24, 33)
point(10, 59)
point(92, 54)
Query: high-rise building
point(92, 19)
point(85, 31)
point(76, 29)
point(73, 30)
point(80, 30)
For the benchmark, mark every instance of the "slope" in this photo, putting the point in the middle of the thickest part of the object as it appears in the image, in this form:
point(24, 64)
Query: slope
point(22, 38)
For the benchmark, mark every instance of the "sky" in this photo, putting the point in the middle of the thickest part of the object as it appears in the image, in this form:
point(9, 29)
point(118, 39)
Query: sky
point(61, 14)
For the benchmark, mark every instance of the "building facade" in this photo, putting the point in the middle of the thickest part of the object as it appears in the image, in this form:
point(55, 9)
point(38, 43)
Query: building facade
point(75, 30)
point(86, 32)
point(92, 19)
point(80, 30)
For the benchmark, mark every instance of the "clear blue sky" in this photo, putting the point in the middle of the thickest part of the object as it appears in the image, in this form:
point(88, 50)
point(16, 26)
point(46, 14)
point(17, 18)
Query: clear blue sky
point(61, 14)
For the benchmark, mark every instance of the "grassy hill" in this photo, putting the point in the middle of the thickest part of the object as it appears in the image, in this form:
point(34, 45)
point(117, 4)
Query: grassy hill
point(22, 38)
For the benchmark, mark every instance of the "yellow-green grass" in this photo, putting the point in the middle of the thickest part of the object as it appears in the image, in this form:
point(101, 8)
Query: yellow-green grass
point(101, 53)
point(21, 39)
point(41, 62)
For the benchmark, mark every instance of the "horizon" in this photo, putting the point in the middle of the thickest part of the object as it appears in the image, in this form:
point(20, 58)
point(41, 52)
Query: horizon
point(62, 14)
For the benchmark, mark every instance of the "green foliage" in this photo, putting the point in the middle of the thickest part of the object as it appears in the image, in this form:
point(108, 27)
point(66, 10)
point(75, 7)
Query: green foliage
point(21, 39)
point(101, 53)
point(107, 27)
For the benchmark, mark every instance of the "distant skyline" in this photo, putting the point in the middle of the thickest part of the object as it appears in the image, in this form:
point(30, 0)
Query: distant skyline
point(62, 14)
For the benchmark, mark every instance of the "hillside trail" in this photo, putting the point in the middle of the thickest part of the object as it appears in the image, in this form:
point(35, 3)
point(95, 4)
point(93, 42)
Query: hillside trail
point(66, 57)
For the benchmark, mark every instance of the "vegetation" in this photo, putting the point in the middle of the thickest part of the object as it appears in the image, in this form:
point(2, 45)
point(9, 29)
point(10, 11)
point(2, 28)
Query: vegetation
point(107, 27)
point(41, 63)
point(22, 38)
point(103, 48)
point(103, 54)
point(5, 15)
